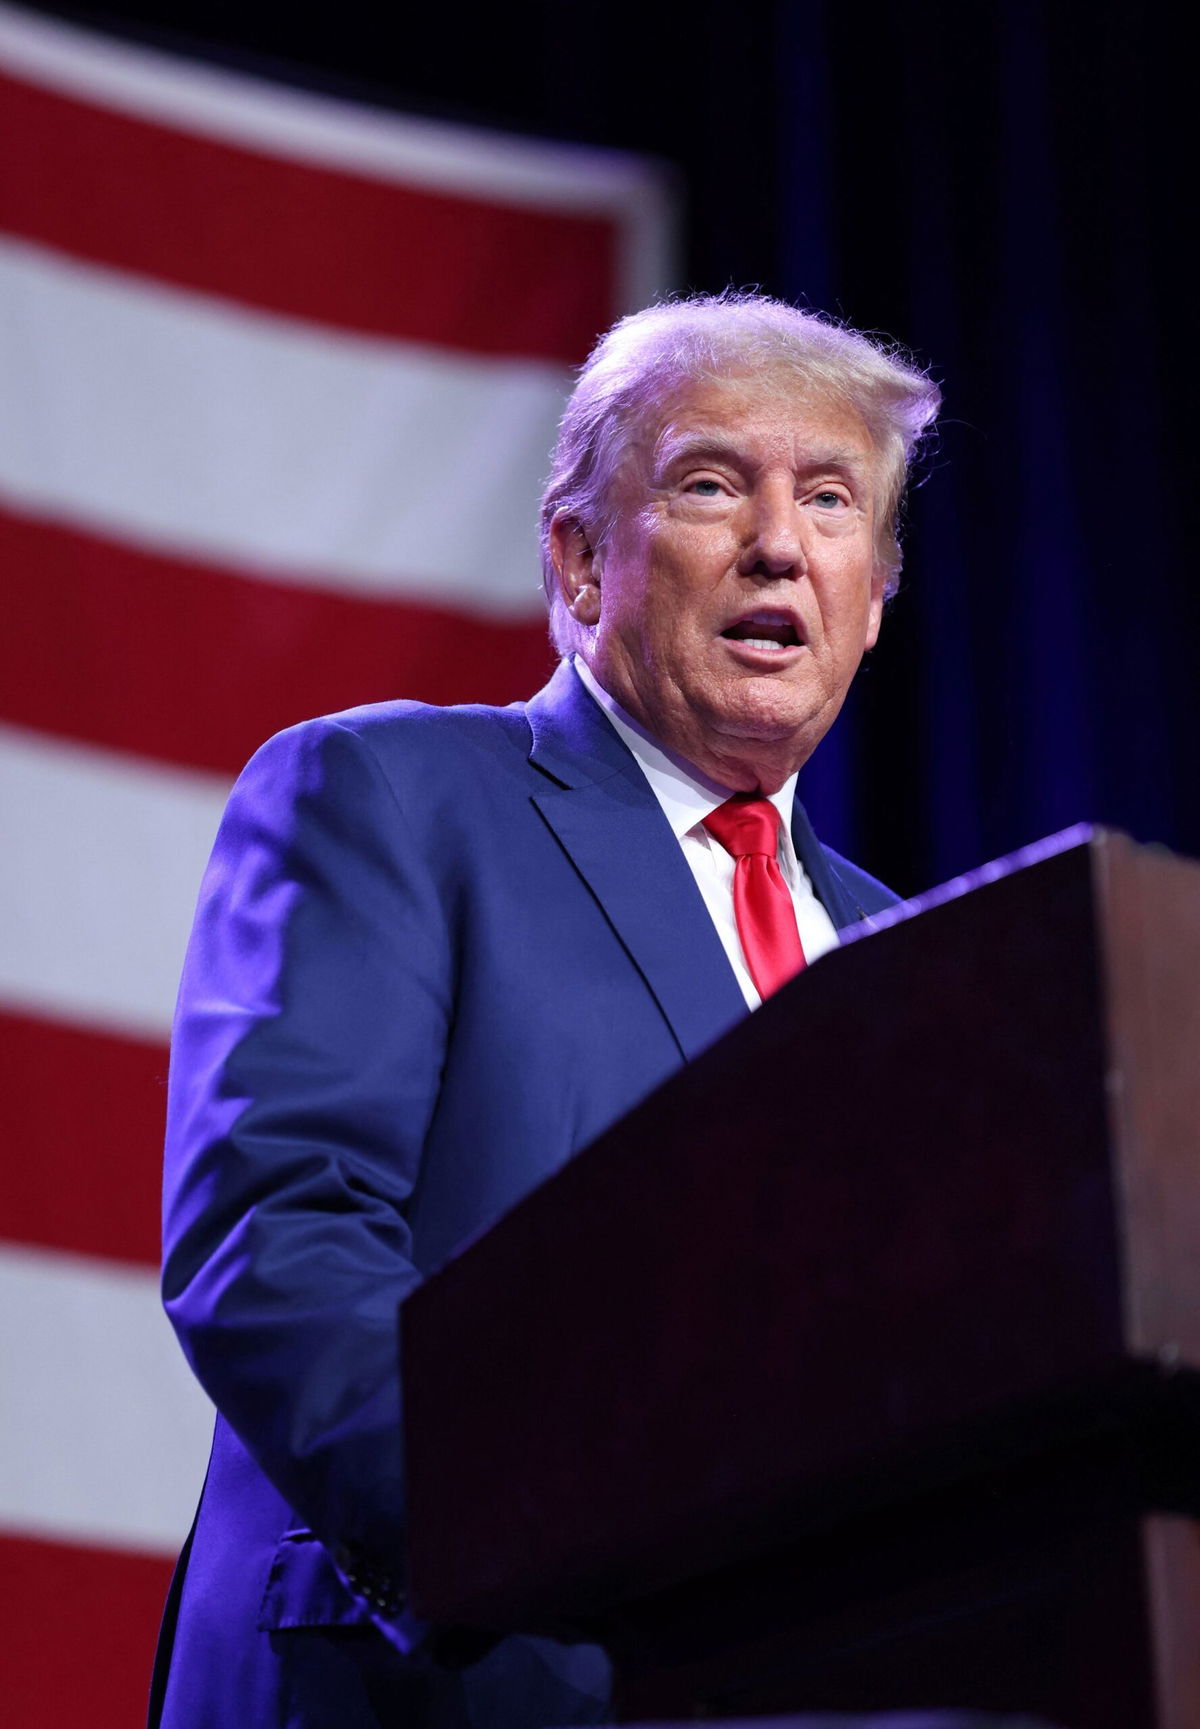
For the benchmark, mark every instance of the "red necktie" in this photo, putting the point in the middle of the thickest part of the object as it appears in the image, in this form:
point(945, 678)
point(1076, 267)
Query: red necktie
point(747, 826)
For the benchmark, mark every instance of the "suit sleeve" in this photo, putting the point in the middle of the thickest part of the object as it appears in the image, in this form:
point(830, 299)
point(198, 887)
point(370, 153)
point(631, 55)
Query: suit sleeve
point(309, 1040)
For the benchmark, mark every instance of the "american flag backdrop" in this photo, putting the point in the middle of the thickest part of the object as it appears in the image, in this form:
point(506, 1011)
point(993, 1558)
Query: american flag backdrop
point(278, 380)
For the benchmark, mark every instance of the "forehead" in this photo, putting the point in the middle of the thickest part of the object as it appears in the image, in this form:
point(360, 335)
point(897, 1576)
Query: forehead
point(756, 421)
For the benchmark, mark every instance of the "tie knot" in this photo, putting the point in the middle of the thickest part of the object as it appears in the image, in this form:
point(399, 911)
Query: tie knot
point(745, 823)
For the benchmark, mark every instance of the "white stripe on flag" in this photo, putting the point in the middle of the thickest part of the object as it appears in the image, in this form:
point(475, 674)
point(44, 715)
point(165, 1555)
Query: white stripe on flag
point(98, 877)
point(105, 1431)
point(235, 437)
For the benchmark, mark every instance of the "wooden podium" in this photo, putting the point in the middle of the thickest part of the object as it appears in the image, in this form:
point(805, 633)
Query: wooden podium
point(858, 1367)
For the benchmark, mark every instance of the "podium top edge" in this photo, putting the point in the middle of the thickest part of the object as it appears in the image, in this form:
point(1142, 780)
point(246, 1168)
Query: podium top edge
point(1080, 834)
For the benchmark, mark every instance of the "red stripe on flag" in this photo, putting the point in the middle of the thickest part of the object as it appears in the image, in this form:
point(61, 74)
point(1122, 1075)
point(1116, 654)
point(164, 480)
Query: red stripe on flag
point(317, 243)
point(80, 1625)
point(193, 665)
point(84, 1126)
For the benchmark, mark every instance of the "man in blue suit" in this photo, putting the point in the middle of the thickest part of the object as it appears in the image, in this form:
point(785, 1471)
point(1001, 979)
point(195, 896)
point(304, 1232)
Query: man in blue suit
point(438, 951)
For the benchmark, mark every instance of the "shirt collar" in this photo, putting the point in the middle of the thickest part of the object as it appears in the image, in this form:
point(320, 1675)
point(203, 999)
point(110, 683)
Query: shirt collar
point(686, 795)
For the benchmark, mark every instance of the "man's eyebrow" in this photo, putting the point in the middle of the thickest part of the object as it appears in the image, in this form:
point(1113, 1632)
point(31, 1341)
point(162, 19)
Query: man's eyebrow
point(695, 447)
point(838, 459)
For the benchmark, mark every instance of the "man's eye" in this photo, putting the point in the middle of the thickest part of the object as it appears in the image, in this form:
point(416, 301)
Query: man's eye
point(829, 500)
point(705, 488)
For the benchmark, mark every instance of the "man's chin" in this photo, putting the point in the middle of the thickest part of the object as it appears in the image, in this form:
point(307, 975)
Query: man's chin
point(770, 715)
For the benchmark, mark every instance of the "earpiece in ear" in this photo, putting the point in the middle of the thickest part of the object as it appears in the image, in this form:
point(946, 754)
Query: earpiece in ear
point(585, 604)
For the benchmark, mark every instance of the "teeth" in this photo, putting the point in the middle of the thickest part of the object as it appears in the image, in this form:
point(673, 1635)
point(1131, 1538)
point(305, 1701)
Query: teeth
point(764, 642)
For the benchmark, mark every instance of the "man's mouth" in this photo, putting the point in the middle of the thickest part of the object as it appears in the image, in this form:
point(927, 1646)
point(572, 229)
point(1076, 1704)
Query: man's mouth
point(771, 631)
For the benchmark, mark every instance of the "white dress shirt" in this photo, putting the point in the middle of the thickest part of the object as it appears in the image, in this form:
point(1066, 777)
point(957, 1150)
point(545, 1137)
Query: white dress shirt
point(686, 798)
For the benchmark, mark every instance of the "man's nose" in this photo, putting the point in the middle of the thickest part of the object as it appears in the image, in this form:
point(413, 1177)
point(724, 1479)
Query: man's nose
point(774, 543)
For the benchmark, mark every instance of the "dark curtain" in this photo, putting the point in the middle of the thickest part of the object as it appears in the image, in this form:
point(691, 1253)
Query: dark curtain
point(1005, 188)
point(1002, 188)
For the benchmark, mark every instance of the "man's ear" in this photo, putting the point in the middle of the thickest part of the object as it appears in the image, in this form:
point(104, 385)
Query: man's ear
point(576, 568)
point(875, 615)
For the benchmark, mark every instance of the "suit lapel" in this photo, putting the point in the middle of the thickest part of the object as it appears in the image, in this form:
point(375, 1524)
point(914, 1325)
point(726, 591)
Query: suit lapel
point(608, 822)
point(829, 887)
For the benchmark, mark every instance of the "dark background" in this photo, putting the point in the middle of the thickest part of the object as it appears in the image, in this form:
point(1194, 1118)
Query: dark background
point(1004, 188)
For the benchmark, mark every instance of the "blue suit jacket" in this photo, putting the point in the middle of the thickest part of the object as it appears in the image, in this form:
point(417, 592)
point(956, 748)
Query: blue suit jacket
point(437, 951)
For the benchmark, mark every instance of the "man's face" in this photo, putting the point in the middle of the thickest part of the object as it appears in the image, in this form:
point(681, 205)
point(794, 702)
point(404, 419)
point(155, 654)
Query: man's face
point(731, 605)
